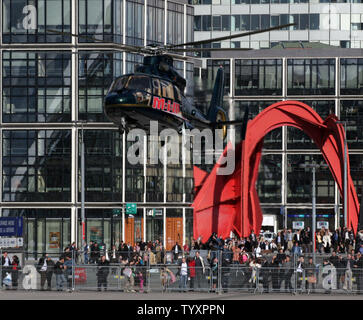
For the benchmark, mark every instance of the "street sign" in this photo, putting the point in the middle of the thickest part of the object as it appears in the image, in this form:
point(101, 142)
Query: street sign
point(116, 211)
point(296, 225)
point(322, 224)
point(158, 212)
point(154, 212)
point(131, 208)
point(11, 226)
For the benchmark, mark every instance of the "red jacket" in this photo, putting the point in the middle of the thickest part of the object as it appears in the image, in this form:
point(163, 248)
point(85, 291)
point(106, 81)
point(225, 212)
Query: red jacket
point(191, 266)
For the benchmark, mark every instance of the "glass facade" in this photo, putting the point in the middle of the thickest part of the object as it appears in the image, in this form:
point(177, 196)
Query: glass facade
point(31, 21)
point(36, 87)
point(336, 23)
point(53, 92)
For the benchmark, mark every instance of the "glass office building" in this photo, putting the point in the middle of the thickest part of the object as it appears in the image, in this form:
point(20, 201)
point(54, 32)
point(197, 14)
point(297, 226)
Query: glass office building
point(50, 82)
point(330, 80)
point(332, 22)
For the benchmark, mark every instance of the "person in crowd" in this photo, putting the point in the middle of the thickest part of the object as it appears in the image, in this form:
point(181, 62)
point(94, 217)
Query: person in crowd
point(176, 251)
point(59, 274)
point(151, 257)
point(45, 267)
point(15, 267)
point(183, 273)
point(300, 272)
point(86, 251)
point(297, 237)
point(311, 275)
point(290, 238)
point(6, 267)
point(296, 250)
point(306, 240)
point(348, 264)
point(103, 270)
point(327, 241)
point(287, 266)
point(186, 247)
point(68, 266)
point(214, 271)
point(199, 269)
point(191, 266)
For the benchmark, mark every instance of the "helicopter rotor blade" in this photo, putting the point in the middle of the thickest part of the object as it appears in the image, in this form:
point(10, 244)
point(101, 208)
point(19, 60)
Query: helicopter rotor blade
point(124, 47)
point(209, 49)
point(238, 35)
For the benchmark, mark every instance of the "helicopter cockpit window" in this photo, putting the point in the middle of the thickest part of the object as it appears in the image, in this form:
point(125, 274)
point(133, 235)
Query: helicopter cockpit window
point(118, 84)
point(156, 87)
point(167, 90)
point(139, 83)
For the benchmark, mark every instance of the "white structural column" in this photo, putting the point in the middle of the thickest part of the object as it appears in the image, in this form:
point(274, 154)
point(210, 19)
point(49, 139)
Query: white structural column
point(74, 114)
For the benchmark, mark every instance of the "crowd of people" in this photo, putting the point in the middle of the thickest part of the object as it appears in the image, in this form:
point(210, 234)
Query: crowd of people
point(275, 261)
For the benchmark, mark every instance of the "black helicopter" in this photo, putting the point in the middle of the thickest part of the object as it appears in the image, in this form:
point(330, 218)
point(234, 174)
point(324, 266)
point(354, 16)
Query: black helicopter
point(155, 92)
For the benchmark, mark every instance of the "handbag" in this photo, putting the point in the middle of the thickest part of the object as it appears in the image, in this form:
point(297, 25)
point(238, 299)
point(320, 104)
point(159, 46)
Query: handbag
point(7, 279)
point(311, 279)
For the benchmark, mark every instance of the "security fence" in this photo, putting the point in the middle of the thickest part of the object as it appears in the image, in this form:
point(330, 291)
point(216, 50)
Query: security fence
point(218, 274)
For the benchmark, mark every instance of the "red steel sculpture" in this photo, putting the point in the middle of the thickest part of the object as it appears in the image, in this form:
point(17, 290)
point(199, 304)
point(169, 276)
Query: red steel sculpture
point(230, 203)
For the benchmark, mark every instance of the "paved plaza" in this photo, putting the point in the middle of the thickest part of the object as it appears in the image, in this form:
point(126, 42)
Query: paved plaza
point(114, 295)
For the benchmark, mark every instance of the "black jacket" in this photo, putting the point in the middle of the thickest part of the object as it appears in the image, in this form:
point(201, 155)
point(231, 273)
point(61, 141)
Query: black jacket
point(103, 269)
point(3, 261)
point(59, 267)
point(50, 264)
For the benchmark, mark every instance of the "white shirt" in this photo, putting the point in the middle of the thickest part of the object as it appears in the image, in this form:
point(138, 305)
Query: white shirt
point(44, 267)
point(184, 269)
point(7, 262)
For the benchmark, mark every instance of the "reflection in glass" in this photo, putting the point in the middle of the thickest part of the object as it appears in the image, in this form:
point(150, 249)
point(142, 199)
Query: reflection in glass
point(258, 77)
point(352, 112)
point(296, 138)
point(272, 140)
point(36, 86)
point(299, 180)
point(311, 76)
point(28, 21)
point(351, 76)
point(103, 165)
point(269, 178)
point(36, 165)
point(96, 73)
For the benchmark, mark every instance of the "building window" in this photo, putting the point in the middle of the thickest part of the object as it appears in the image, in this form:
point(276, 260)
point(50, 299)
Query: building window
point(299, 180)
point(103, 165)
point(311, 77)
point(28, 21)
point(36, 87)
point(96, 73)
point(36, 165)
point(134, 176)
point(100, 20)
point(351, 76)
point(155, 21)
point(135, 22)
point(272, 140)
point(258, 77)
point(352, 112)
point(269, 178)
point(296, 138)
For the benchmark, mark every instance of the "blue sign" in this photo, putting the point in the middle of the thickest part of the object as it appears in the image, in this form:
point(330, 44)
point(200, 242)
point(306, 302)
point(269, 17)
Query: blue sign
point(11, 226)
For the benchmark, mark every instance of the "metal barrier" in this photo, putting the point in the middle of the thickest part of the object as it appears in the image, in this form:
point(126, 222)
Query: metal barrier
point(218, 275)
